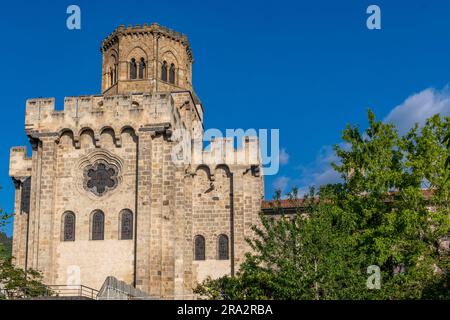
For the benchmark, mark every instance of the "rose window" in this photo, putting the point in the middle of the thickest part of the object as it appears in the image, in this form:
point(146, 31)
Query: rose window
point(100, 177)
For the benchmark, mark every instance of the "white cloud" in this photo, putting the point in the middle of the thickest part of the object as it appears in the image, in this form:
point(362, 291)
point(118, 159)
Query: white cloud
point(419, 107)
point(281, 183)
point(320, 172)
point(284, 157)
point(415, 109)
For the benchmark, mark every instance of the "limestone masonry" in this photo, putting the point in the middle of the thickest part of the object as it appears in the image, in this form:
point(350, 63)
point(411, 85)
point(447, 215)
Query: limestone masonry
point(100, 195)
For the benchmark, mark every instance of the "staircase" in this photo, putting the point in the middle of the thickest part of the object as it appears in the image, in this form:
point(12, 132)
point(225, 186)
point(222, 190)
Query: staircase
point(112, 289)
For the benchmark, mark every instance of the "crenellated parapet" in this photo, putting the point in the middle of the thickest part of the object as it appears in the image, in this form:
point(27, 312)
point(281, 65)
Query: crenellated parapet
point(19, 164)
point(145, 29)
point(98, 112)
point(222, 154)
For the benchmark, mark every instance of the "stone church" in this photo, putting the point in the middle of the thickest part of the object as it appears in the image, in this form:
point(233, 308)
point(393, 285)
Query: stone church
point(101, 195)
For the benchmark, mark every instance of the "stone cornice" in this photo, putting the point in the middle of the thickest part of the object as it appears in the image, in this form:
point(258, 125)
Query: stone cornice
point(154, 29)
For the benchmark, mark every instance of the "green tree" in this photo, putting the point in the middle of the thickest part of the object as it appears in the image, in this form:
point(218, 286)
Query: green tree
point(5, 245)
point(16, 283)
point(384, 180)
point(304, 256)
point(379, 215)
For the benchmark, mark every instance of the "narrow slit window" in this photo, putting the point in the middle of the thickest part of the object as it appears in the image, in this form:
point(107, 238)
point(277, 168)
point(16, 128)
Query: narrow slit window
point(164, 71)
point(141, 69)
point(172, 74)
point(133, 69)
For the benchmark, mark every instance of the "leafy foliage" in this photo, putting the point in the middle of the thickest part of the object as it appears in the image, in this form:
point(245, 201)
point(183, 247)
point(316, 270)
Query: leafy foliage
point(5, 245)
point(5, 242)
point(16, 283)
point(379, 215)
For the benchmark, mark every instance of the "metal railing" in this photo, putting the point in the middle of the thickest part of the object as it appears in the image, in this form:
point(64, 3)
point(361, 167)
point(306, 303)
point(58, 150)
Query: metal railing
point(72, 291)
point(51, 292)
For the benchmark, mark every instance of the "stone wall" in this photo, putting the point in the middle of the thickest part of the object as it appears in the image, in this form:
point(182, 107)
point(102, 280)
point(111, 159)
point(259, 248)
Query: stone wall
point(218, 193)
point(154, 45)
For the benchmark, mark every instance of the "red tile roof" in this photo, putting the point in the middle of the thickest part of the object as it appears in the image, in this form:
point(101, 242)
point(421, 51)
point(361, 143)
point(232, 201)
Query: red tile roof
point(299, 203)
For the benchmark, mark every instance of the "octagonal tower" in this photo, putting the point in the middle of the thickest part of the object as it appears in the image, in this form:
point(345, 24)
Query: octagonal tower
point(146, 59)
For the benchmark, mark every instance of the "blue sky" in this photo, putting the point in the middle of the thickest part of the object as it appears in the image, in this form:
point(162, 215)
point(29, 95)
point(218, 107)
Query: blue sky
point(305, 67)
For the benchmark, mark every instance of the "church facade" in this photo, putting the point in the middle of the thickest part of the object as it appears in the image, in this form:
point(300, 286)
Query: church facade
point(101, 194)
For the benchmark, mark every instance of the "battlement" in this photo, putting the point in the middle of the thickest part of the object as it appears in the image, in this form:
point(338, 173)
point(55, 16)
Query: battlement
point(96, 112)
point(19, 163)
point(222, 151)
point(145, 29)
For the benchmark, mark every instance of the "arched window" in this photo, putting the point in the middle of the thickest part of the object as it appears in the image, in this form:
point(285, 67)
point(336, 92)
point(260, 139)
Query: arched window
point(126, 225)
point(199, 250)
point(141, 68)
point(111, 76)
point(223, 247)
point(98, 226)
point(115, 75)
point(172, 73)
point(164, 71)
point(69, 226)
point(133, 68)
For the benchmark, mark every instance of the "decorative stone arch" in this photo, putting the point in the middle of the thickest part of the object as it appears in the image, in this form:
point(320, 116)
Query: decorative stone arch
point(109, 129)
point(88, 131)
point(203, 186)
point(205, 168)
point(127, 128)
point(83, 130)
point(170, 57)
point(222, 184)
point(112, 66)
point(66, 132)
point(130, 131)
point(142, 49)
point(222, 167)
point(91, 161)
point(137, 53)
point(113, 56)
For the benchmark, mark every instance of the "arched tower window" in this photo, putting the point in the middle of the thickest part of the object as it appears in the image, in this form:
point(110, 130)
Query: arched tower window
point(133, 67)
point(98, 226)
point(223, 247)
point(141, 68)
point(69, 226)
point(199, 248)
point(126, 225)
point(115, 75)
point(111, 76)
point(172, 73)
point(164, 71)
